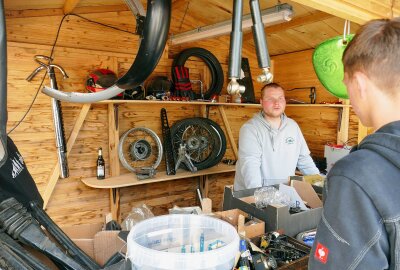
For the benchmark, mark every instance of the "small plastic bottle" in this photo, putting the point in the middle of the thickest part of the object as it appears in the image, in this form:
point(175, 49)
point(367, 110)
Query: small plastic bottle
point(244, 262)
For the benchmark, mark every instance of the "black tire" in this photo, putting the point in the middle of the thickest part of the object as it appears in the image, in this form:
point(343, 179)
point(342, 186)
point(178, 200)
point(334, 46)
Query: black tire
point(221, 145)
point(200, 138)
point(217, 75)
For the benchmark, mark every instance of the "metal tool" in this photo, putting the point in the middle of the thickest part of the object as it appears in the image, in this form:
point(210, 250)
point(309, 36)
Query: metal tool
point(56, 108)
point(183, 157)
point(168, 147)
point(312, 95)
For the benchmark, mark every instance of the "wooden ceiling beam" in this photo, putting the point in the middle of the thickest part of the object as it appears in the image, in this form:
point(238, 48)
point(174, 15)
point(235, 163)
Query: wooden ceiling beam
point(59, 12)
point(341, 9)
point(69, 5)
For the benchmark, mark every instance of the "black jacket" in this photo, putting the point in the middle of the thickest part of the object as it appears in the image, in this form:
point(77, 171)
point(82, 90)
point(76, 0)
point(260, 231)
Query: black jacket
point(360, 225)
point(15, 179)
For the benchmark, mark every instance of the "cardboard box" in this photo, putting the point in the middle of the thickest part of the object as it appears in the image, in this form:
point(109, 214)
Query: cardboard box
point(237, 217)
point(275, 217)
point(99, 245)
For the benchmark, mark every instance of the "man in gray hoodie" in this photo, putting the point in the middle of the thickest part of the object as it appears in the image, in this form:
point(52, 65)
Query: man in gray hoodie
point(271, 145)
point(360, 225)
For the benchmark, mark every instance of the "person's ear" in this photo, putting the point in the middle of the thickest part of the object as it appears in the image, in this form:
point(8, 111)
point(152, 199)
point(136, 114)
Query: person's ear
point(361, 83)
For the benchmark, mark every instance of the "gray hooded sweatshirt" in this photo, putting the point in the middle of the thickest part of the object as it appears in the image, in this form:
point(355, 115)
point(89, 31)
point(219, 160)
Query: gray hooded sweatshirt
point(360, 225)
point(269, 156)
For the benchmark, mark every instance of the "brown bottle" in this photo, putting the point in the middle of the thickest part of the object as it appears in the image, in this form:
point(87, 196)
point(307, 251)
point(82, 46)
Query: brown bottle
point(101, 165)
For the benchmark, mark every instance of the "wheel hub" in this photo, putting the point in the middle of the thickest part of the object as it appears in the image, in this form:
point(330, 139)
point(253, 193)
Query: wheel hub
point(140, 150)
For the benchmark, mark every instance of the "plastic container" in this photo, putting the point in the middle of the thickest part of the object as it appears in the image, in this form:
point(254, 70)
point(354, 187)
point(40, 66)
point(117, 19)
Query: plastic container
point(182, 242)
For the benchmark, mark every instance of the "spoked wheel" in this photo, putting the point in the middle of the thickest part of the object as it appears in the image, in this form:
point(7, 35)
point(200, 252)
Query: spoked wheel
point(140, 148)
point(203, 143)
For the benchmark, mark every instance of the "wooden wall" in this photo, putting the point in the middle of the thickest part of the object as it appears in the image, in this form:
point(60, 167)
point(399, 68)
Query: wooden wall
point(83, 46)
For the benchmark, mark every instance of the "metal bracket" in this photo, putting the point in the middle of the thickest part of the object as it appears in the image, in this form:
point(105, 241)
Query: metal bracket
point(184, 158)
point(312, 95)
point(145, 173)
point(140, 25)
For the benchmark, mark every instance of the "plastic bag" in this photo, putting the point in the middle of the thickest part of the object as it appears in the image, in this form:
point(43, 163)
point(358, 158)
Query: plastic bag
point(270, 195)
point(136, 215)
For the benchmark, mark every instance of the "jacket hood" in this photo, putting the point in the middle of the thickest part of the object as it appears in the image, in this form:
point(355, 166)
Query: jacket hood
point(259, 117)
point(385, 141)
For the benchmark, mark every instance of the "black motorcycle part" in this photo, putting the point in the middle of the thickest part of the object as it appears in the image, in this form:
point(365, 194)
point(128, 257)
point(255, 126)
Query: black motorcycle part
point(217, 75)
point(114, 259)
point(19, 224)
point(9, 260)
point(73, 250)
point(221, 145)
point(155, 34)
point(3, 84)
point(168, 147)
point(202, 141)
point(22, 253)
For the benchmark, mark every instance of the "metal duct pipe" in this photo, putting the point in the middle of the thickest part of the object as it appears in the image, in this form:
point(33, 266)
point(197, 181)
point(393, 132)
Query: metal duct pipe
point(235, 50)
point(260, 42)
point(151, 48)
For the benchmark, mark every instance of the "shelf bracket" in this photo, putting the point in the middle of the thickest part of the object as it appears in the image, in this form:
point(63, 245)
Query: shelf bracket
point(229, 131)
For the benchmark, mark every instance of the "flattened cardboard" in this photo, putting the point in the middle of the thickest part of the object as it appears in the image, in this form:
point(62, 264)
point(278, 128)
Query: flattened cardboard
point(307, 193)
point(106, 244)
point(99, 245)
point(83, 236)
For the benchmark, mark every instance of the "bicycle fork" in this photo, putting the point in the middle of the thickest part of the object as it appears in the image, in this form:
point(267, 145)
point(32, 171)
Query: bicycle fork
point(56, 110)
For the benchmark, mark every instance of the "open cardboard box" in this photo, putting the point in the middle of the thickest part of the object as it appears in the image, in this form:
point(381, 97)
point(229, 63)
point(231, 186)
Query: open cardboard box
point(275, 216)
point(98, 244)
point(237, 217)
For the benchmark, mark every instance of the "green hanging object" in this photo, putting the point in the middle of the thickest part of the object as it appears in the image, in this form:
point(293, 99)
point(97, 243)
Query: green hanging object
point(328, 65)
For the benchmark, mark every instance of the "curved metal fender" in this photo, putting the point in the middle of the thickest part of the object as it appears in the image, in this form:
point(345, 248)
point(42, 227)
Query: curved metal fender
point(151, 48)
point(3, 86)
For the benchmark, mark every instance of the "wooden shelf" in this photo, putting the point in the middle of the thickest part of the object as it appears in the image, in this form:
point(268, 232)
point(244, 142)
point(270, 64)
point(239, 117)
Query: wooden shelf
point(147, 102)
point(130, 179)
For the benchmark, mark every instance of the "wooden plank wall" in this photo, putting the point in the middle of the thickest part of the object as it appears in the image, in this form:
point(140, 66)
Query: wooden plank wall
point(83, 46)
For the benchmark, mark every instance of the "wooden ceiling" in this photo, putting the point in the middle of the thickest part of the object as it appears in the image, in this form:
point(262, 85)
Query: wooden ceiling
point(307, 29)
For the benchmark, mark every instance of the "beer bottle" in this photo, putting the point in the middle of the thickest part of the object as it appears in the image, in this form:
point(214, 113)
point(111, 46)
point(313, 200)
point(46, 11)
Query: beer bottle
point(101, 165)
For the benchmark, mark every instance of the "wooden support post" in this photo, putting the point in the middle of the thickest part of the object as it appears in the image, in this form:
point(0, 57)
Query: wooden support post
point(343, 133)
point(114, 203)
point(204, 111)
point(204, 185)
point(113, 141)
point(229, 131)
point(69, 6)
point(51, 184)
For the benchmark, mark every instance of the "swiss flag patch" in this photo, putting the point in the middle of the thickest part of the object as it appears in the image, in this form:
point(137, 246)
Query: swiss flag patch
point(321, 253)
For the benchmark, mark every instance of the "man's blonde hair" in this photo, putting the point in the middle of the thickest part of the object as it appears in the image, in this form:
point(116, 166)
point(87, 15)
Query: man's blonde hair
point(269, 86)
point(375, 51)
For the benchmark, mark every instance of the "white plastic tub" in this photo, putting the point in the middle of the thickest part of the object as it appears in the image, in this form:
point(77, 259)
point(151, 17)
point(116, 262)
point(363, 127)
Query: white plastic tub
point(158, 243)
